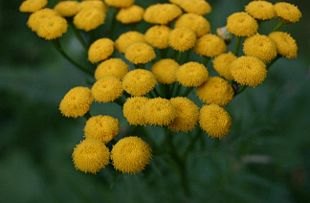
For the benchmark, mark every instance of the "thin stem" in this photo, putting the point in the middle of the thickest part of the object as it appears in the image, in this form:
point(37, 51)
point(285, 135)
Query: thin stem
point(278, 26)
point(194, 139)
point(237, 46)
point(79, 36)
point(187, 92)
point(87, 115)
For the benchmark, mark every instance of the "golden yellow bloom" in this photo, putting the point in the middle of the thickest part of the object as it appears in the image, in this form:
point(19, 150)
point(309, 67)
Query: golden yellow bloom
point(260, 46)
point(107, 89)
point(248, 70)
point(214, 120)
point(286, 45)
point(222, 64)
point(158, 36)
point(140, 53)
point(93, 4)
point(216, 91)
point(261, 10)
point(36, 18)
point(67, 8)
point(128, 38)
point(112, 67)
point(76, 102)
point(120, 3)
point(52, 27)
point(101, 128)
point(241, 24)
point(187, 114)
point(192, 74)
point(131, 155)
point(100, 50)
point(89, 19)
point(90, 156)
point(139, 82)
point(165, 71)
point(287, 12)
point(194, 22)
point(161, 13)
point(132, 14)
point(200, 7)
point(210, 45)
point(182, 39)
point(133, 110)
point(159, 111)
point(30, 6)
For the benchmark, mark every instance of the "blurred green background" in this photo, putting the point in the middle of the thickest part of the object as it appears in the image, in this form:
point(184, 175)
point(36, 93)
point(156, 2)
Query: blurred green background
point(266, 158)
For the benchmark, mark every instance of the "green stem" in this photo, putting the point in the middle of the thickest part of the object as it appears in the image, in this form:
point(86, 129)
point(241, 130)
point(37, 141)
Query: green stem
point(194, 139)
point(79, 36)
point(87, 115)
point(278, 26)
point(237, 47)
point(187, 92)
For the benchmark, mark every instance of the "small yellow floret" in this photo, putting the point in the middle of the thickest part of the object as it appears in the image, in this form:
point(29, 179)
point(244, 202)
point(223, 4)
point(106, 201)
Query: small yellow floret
point(89, 19)
point(132, 14)
point(36, 18)
point(100, 50)
point(241, 24)
point(261, 10)
point(222, 64)
point(67, 8)
point(161, 13)
point(200, 7)
point(93, 4)
point(158, 36)
point(192, 74)
point(210, 45)
point(52, 27)
point(30, 6)
point(128, 38)
point(133, 110)
point(140, 53)
point(288, 12)
point(107, 89)
point(165, 71)
point(182, 39)
point(285, 43)
point(194, 22)
point(120, 3)
point(112, 67)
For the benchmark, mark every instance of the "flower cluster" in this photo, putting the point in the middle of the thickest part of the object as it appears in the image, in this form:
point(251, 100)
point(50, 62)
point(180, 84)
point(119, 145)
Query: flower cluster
point(155, 74)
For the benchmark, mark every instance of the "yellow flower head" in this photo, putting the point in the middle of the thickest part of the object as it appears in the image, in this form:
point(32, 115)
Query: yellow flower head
point(214, 120)
point(120, 3)
point(107, 89)
point(216, 91)
point(210, 45)
point(161, 13)
point(159, 111)
point(241, 24)
point(67, 8)
point(90, 156)
point(100, 50)
point(93, 4)
point(260, 46)
point(286, 45)
point(36, 18)
point(139, 82)
point(52, 27)
point(248, 70)
point(222, 64)
point(158, 36)
point(132, 14)
point(192, 74)
point(140, 53)
point(128, 38)
point(187, 114)
point(131, 155)
point(133, 110)
point(165, 71)
point(200, 7)
point(261, 10)
point(287, 12)
point(101, 128)
point(112, 67)
point(182, 39)
point(89, 19)
point(30, 6)
point(194, 22)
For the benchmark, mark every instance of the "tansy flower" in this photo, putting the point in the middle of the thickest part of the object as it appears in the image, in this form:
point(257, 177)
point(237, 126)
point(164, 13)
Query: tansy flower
point(241, 24)
point(222, 64)
point(128, 38)
point(89, 19)
point(112, 67)
point(139, 82)
point(248, 70)
point(261, 10)
point(140, 53)
point(187, 114)
point(214, 120)
point(131, 155)
point(161, 13)
point(30, 6)
point(101, 128)
point(286, 45)
point(182, 39)
point(158, 36)
point(165, 71)
point(36, 18)
point(90, 156)
point(210, 45)
point(120, 3)
point(93, 4)
point(192, 74)
point(159, 111)
point(52, 27)
point(107, 89)
point(133, 110)
point(216, 91)
point(200, 7)
point(76, 102)
point(195, 22)
point(287, 12)
point(67, 8)
point(132, 14)
point(100, 50)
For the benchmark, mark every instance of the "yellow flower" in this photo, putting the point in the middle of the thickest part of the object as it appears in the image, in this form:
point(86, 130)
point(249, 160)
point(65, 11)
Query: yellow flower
point(159, 111)
point(214, 120)
point(67, 8)
point(100, 50)
point(101, 128)
point(287, 12)
point(161, 13)
point(182, 39)
point(216, 91)
point(107, 89)
point(286, 45)
point(131, 155)
point(128, 38)
point(36, 18)
point(52, 27)
point(192, 74)
point(260, 46)
point(132, 14)
point(112, 67)
point(139, 82)
point(210, 45)
point(261, 10)
point(93, 4)
point(158, 36)
point(200, 7)
point(76, 102)
point(222, 63)
point(187, 114)
point(241, 24)
point(89, 19)
point(90, 156)
point(165, 71)
point(120, 3)
point(248, 70)
point(30, 6)
point(133, 110)
point(140, 53)
point(194, 22)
